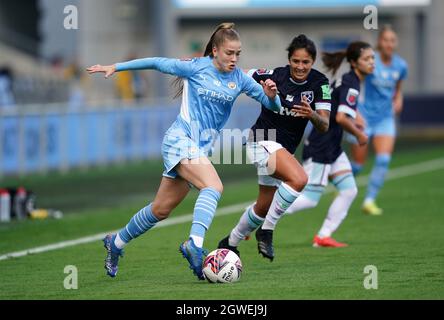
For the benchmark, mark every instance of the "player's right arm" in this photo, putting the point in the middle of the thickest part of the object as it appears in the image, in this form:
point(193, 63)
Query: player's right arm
point(349, 125)
point(346, 115)
point(177, 67)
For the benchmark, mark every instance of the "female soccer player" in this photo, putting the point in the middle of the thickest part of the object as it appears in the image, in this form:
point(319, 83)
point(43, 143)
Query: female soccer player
point(383, 100)
point(211, 84)
point(323, 156)
point(305, 96)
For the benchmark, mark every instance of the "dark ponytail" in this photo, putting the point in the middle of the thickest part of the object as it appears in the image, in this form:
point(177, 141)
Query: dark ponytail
point(334, 60)
point(224, 31)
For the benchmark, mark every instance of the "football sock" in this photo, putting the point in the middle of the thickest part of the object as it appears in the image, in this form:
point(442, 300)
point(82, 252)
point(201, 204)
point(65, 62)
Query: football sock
point(119, 243)
point(248, 222)
point(140, 223)
point(204, 211)
point(198, 241)
point(304, 201)
point(338, 210)
point(356, 168)
point(309, 199)
point(377, 175)
point(282, 199)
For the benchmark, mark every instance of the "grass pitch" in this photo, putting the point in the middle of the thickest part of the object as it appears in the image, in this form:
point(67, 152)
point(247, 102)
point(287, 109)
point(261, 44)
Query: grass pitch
point(405, 244)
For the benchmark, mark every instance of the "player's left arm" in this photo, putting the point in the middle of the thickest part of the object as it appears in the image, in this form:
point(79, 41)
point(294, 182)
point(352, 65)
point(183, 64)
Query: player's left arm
point(265, 92)
point(322, 101)
point(319, 118)
point(398, 98)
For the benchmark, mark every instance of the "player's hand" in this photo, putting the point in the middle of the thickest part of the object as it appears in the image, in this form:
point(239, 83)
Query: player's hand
point(397, 106)
point(270, 88)
point(362, 139)
point(304, 110)
point(360, 121)
point(107, 70)
point(360, 127)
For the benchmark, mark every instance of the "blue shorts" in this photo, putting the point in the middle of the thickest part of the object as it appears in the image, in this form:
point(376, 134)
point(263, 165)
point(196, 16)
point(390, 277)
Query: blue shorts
point(176, 146)
point(384, 127)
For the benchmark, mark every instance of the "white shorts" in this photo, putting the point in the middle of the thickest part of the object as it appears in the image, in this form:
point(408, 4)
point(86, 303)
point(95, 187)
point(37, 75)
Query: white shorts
point(318, 173)
point(259, 153)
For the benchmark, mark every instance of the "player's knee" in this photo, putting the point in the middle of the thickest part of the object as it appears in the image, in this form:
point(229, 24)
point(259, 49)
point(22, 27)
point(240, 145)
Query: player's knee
point(298, 181)
point(261, 209)
point(160, 211)
point(217, 186)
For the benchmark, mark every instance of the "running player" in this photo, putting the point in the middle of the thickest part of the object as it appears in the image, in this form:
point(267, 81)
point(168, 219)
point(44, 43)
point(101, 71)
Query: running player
point(211, 84)
point(323, 156)
point(305, 96)
point(383, 101)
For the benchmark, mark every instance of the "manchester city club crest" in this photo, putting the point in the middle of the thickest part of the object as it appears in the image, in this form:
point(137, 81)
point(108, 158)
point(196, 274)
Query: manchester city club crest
point(308, 95)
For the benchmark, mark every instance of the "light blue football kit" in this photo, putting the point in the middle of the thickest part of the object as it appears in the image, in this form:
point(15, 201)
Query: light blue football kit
point(377, 110)
point(207, 98)
point(379, 90)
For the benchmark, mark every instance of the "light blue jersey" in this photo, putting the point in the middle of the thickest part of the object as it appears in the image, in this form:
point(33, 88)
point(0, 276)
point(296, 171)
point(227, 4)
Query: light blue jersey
point(207, 99)
point(380, 89)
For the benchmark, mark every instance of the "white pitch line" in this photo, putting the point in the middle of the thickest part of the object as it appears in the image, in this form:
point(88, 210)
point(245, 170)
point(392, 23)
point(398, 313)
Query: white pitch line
point(401, 172)
point(172, 221)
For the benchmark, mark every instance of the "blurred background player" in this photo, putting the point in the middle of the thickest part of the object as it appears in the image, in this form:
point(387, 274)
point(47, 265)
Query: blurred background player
point(383, 101)
point(7, 100)
point(323, 156)
point(205, 109)
point(305, 96)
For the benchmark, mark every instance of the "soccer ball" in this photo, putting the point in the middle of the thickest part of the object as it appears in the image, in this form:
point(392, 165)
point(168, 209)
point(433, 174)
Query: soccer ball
point(222, 266)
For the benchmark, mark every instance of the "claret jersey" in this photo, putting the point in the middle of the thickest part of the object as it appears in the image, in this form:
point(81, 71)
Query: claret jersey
point(289, 127)
point(326, 147)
